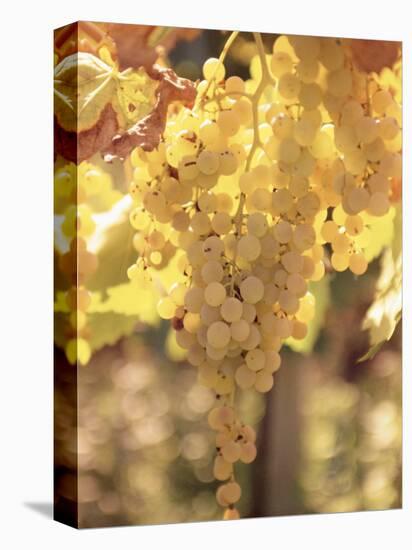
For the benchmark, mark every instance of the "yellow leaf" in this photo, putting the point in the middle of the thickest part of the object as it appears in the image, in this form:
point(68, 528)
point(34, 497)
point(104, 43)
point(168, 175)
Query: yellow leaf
point(134, 299)
point(173, 350)
point(108, 328)
point(385, 312)
point(83, 86)
point(135, 94)
point(381, 234)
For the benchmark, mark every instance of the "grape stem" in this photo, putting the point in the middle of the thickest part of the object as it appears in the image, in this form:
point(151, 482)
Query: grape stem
point(222, 57)
point(265, 80)
point(256, 143)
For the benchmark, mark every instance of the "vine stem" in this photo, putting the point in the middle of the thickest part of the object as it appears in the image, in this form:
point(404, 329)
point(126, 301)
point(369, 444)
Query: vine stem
point(265, 80)
point(222, 57)
point(256, 143)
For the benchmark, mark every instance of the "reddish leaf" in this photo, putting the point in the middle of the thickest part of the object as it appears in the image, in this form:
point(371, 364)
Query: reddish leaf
point(373, 55)
point(133, 43)
point(148, 131)
point(83, 36)
point(78, 147)
point(396, 190)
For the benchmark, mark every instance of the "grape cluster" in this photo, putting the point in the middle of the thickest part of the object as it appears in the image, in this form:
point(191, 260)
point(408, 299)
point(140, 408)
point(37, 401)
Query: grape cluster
point(252, 193)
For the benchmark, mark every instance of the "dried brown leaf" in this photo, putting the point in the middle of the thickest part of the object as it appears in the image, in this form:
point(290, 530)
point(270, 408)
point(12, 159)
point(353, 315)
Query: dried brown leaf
point(148, 131)
point(76, 147)
point(136, 44)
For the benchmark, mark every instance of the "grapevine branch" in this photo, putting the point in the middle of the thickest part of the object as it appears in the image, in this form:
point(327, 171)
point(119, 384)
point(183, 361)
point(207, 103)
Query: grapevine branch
point(266, 79)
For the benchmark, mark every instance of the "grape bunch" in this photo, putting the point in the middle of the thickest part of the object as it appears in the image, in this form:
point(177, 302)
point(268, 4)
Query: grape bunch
point(252, 194)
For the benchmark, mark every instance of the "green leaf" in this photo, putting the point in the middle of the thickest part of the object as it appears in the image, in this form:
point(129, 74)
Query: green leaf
point(385, 312)
point(321, 292)
point(381, 234)
point(130, 299)
point(107, 328)
point(112, 242)
point(172, 348)
point(135, 94)
point(83, 86)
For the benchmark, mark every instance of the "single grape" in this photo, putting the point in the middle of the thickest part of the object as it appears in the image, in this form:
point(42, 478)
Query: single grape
point(252, 289)
point(214, 294)
point(231, 309)
point(218, 334)
point(245, 377)
point(358, 263)
point(264, 381)
point(212, 68)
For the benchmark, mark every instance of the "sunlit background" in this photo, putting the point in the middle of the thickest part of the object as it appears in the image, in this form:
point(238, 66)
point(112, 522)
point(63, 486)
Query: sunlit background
point(329, 434)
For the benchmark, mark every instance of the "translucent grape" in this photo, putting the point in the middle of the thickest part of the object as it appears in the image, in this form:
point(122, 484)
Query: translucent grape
point(249, 247)
point(248, 451)
point(177, 293)
point(310, 95)
point(289, 151)
point(240, 330)
point(282, 126)
point(340, 262)
point(255, 359)
point(212, 271)
point(212, 68)
point(378, 204)
point(231, 309)
point(292, 261)
point(281, 63)
point(209, 132)
point(264, 381)
point(228, 122)
point(218, 334)
point(245, 377)
point(252, 289)
point(299, 330)
point(213, 248)
point(358, 263)
point(166, 308)
point(214, 294)
point(340, 82)
point(380, 101)
point(231, 513)
point(221, 223)
point(354, 225)
point(194, 299)
point(358, 199)
point(231, 451)
point(234, 85)
point(289, 86)
point(222, 469)
point(209, 314)
point(208, 162)
point(388, 128)
point(257, 224)
point(288, 302)
point(230, 492)
point(296, 284)
point(304, 236)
